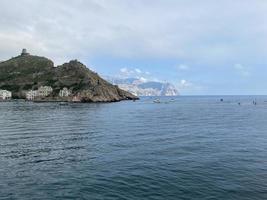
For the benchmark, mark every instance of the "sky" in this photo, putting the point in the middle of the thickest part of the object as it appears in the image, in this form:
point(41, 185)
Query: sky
point(203, 47)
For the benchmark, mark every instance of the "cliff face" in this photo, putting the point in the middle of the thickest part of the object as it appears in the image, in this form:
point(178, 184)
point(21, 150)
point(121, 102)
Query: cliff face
point(27, 72)
point(145, 88)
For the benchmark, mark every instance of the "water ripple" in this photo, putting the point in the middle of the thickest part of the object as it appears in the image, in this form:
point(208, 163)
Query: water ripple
point(193, 148)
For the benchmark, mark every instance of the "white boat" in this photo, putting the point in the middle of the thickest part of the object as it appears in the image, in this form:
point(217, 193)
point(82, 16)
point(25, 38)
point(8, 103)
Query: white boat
point(156, 101)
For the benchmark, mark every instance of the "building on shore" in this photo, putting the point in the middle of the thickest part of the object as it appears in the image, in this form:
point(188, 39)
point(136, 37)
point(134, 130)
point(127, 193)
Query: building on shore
point(64, 92)
point(76, 99)
point(5, 95)
point(45, 91)
point(31, 95)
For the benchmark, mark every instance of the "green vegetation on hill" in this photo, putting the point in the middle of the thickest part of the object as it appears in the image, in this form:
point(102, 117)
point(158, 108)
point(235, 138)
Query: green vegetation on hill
point(27, 72)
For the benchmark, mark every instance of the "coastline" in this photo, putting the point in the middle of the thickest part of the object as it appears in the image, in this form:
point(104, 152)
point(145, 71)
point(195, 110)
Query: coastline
point(65, 101)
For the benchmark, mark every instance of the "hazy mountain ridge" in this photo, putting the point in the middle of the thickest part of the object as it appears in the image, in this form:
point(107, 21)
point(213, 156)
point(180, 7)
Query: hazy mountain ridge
point(142, 87)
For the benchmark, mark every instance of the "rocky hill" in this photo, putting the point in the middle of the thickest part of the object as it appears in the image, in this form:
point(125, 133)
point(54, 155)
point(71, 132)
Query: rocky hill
point(26, 72)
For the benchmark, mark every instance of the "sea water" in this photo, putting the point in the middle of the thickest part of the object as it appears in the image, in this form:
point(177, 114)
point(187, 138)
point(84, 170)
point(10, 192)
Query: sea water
point(181, 148)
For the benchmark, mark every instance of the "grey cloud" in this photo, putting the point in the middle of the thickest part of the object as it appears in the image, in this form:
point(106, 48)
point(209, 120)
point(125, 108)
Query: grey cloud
point(203, 31)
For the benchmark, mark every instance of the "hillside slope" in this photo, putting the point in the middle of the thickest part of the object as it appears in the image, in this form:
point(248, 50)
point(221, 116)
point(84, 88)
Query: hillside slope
point(27, 72)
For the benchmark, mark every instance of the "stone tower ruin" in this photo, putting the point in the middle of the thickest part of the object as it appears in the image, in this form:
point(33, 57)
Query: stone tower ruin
point(24, 52)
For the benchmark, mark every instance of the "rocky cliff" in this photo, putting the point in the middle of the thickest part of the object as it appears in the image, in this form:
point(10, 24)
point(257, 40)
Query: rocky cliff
point(26, 72)
point(145, 88)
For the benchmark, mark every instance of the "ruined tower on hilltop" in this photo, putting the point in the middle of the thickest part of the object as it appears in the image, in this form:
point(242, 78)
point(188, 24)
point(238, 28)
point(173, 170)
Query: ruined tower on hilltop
point(24, 52)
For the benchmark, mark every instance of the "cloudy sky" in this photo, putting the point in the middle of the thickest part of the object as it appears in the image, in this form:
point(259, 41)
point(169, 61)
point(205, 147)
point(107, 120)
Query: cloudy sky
point(203, 47)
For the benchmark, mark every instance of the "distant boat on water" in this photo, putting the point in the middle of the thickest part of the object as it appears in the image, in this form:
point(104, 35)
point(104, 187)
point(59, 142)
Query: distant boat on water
point(63, 103)
point(159, 101)
point(156, 101)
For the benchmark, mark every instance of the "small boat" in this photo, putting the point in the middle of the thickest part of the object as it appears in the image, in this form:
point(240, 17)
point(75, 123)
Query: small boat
point(63, 103)
point(156, 101)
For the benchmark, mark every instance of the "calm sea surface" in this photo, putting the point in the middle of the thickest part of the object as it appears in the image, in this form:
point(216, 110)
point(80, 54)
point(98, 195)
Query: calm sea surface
point(191, 148)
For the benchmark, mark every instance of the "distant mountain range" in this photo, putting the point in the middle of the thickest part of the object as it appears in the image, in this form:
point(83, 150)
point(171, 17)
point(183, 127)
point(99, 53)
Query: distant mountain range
point(141, 87)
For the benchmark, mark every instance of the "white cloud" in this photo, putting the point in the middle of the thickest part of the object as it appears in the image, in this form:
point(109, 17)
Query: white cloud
point(188, 87)
point(126, 72)
point(123, 70)
point(183, 67)
point(133, 73)
point(138, 71)
point(143, 79)
point(183, 84)
point(242, 70)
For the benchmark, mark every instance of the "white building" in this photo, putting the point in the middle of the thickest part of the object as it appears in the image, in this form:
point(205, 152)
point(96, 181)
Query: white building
point(64, 92)
point(30, 95)
point(44, 91)
point(76, 99)
point(5, 95)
